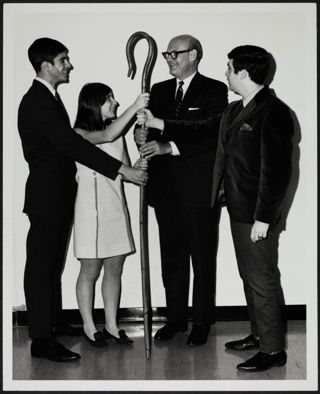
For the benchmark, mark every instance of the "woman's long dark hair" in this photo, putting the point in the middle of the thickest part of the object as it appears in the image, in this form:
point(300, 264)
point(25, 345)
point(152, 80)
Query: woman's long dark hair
point(91, 98)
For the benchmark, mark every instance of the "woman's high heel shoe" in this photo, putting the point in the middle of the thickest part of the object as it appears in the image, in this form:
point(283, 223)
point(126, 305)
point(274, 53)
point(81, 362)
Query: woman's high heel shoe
point(99, 339)
point(123, 338)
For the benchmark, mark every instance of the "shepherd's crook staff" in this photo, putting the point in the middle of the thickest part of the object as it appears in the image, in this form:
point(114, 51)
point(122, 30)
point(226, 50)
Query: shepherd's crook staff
point(144, 250)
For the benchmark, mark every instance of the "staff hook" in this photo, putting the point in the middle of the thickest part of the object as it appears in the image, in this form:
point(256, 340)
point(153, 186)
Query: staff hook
point(150, 61)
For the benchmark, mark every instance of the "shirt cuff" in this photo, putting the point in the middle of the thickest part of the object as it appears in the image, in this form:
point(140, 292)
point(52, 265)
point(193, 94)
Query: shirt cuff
point(175, 150)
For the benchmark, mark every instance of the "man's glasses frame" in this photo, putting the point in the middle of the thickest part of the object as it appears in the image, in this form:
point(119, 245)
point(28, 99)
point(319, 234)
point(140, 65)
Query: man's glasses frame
point(174, 54)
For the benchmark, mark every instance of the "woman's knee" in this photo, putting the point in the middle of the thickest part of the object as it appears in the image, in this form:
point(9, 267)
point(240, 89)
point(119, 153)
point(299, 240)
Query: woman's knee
point(114, 266)
point(90, 269)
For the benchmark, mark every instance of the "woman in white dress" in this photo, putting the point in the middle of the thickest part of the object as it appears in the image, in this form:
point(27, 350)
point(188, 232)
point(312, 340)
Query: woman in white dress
point(102, 231)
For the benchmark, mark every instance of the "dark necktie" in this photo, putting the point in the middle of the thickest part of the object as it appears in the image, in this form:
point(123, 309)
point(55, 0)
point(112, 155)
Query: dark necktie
point(179, 96)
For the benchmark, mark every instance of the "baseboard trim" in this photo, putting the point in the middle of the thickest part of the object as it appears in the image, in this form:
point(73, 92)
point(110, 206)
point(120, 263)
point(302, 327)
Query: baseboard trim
point(127, 315)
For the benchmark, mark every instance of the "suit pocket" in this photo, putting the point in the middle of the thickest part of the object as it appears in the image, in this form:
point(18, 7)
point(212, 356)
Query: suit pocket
point(249, 133)
point(192, 114)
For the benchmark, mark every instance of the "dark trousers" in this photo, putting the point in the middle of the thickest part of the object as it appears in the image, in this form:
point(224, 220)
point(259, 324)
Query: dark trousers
point(47, 243)
point(258, 268)
point(188, 232)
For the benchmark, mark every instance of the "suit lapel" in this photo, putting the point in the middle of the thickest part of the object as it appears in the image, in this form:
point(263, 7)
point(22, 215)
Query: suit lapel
point(195, 90)
point(241, 113)
point(248, 110)
point(62, 107)
point(45, 91)
point(169, 97)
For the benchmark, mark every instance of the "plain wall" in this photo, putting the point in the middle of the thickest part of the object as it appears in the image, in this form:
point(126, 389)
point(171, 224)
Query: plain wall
point(96, 36)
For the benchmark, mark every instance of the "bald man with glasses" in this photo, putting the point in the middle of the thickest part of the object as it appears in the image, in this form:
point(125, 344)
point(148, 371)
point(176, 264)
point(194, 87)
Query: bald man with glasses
point(181, 142)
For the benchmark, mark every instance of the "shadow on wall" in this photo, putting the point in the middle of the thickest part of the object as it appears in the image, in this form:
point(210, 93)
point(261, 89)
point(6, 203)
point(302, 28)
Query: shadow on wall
point(294, 181)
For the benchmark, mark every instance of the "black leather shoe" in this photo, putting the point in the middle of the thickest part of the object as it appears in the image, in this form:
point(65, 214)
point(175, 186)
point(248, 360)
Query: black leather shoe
point(263, 361)
point(250, 342)
point(53, 351)
point(67, 330)
point(169, 330)
point(198, 335)
point(98, 340)
point(123, 338)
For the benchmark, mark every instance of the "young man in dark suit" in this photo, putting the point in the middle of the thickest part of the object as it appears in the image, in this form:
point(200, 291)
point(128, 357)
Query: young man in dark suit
point(50, 147)
point(253, 166)
point(180, 182)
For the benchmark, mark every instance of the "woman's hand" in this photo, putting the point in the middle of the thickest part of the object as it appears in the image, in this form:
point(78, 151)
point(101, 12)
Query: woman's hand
point(141, 102)
point(142, 164)
point(140, 136)
point(146, 117)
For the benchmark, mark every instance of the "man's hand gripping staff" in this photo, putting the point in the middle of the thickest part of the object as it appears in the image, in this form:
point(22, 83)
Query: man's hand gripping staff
point(152, 148)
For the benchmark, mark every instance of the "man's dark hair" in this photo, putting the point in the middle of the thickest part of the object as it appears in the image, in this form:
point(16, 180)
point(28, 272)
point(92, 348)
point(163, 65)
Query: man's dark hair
point(91, 98)
point(44, 50)
point(254, 59)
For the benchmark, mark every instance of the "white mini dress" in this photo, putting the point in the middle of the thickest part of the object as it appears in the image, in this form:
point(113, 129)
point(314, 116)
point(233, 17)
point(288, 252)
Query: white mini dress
point(101, 219)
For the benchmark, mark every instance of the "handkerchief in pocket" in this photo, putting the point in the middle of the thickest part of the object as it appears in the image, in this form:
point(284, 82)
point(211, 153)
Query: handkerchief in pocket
point(246, 127)
point(193, 108)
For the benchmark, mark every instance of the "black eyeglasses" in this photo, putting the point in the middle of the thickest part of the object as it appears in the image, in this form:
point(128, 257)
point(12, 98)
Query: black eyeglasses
point(174, 54)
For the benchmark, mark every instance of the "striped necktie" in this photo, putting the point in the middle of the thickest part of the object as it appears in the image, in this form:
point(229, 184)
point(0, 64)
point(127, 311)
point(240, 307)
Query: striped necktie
point(179, 96)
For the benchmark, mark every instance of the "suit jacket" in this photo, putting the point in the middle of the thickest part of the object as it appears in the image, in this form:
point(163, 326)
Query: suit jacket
point(50, 147)
point(254, 158)
point(187, 177)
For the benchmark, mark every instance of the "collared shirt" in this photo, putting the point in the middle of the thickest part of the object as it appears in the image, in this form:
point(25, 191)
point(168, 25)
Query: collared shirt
point(185, 86)
point(186, 83)
point(47, 84)
point(247, 99)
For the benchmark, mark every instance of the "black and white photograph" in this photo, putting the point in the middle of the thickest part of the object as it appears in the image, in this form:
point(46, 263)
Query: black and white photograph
point(160, 197)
